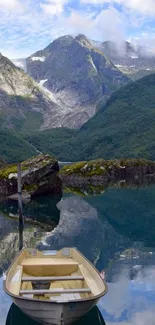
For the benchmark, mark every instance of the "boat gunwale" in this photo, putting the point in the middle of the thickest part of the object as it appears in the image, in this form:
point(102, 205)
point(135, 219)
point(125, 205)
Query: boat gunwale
point(96, 297)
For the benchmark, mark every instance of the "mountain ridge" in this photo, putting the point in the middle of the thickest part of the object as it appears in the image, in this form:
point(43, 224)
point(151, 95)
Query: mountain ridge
point(77, 75)
point(122, 128)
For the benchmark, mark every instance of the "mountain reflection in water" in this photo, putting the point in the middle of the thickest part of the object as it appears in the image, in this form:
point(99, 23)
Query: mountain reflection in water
point(115, 230)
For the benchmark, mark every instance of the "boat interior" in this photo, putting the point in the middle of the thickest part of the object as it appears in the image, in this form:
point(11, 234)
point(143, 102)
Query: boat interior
point(58, 276)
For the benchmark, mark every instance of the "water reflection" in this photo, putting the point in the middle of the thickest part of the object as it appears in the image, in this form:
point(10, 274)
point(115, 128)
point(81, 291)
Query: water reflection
point(16, 317)
point(43, 209)
point(80, 227)
point(131, 212)
point(115, 230)
point(130, 301)
point(5, 303)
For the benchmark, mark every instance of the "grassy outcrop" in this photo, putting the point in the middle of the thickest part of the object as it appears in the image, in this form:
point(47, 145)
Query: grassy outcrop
point(103, 167)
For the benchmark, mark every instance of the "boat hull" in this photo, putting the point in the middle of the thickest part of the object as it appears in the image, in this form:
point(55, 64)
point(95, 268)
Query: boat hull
point(55, 313)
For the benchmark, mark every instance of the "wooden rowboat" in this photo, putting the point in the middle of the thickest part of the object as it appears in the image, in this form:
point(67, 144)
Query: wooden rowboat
point(17, 317)
point(54, 287)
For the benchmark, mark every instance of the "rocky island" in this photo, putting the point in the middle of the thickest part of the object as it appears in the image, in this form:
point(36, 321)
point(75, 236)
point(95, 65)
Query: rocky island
point(103, 172)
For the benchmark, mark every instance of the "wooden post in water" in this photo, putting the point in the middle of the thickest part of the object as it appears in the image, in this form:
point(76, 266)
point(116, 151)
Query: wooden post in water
point(20, 208)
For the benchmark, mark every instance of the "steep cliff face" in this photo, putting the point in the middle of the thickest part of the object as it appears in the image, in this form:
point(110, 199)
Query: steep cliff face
point(23, 104)
point(77, 75)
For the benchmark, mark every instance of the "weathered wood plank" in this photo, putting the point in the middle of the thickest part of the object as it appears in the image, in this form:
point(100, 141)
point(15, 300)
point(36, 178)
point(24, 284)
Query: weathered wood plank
point(52, 278)
point(48, 261)
point(54, 291)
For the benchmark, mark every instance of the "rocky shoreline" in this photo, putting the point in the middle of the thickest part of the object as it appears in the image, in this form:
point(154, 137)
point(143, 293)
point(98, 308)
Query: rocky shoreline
point(41, 176)
point(104, 172)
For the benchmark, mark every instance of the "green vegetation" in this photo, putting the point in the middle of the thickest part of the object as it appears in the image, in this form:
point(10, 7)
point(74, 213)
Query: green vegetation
point(123, 128)
point(101, 167)
point(13, 148)
point(140, 74)
point(9, 169)
point(30, 188)
point(89, 190)
point(32, 123)
point(55, 142)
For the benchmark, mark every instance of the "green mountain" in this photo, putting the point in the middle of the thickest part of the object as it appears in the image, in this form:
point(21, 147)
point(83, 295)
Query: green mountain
point(124, 127)
point(13, 148)
point(141, 73)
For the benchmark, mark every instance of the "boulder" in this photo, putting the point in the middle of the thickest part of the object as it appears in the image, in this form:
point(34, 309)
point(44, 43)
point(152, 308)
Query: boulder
point(39, 176)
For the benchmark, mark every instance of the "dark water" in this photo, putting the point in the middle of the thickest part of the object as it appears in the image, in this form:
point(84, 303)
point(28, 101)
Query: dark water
point(114, 230)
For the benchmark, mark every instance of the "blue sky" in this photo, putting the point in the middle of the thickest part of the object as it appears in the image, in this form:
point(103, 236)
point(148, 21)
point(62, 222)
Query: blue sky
point(29, 25)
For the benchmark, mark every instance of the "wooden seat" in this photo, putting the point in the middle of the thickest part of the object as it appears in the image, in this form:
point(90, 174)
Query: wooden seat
point(48, 261)
point(54, 291)
point(52, 278)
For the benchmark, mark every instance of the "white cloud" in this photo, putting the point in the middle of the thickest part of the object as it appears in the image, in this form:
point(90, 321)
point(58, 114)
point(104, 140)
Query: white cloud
point(31, 25)
point(9, 4)
point(130, 298)
point(94, 2)
point(54, 7)
point(111, 25)
point(98, 27)
point(145, 7)
point(142, 6)
point(79, 23)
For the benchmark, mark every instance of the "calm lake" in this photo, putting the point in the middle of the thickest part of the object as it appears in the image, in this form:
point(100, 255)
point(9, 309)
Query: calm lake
point(115, 230)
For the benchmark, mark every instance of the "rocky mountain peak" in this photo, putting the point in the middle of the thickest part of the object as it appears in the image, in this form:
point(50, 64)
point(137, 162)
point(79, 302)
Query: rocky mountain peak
point(62, 41)
point(82, 39)
point(77, 75)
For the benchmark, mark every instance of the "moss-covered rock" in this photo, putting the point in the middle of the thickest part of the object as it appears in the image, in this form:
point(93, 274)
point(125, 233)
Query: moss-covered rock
point(39, 175)
point(85, 191)
point(106, 170)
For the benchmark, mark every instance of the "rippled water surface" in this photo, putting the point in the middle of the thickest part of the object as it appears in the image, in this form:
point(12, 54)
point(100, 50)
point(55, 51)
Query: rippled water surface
point(114, 230)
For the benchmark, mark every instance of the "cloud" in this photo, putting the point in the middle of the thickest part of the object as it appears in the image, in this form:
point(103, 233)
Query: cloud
point(145, 7)
point(53, 7)
point(9, 4)
point(79, 23)
point(115, 30)
point(130, 301)
point(29, 25)
point(142, 6)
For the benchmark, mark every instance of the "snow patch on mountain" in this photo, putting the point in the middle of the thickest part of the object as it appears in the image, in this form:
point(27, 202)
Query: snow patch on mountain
point(134, 56)
point(42, 82)
point(119, 65)
point(38, 58)
point(48, 92)
point(20, 64)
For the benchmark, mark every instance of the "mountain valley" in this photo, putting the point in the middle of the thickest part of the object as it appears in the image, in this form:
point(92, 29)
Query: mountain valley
point(122, 128)
point(67, 111)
